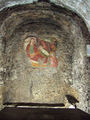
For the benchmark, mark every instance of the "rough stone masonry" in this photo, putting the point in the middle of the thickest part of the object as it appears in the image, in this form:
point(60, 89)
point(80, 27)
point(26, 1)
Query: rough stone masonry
point(22, 83)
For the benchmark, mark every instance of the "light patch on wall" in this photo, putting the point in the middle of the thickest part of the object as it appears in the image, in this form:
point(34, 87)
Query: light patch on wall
point(88, 50)
point(12, 3)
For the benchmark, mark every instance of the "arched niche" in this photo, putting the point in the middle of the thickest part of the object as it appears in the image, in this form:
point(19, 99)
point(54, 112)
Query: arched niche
point(22, 82)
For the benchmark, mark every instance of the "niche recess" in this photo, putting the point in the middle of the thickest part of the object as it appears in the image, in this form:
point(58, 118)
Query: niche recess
point(24, 83)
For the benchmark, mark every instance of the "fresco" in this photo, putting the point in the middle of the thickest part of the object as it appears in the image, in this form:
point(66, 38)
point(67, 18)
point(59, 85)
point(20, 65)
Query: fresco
point(40, 52)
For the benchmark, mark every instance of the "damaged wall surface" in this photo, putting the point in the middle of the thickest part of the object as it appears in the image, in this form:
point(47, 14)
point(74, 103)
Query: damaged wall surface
point(22, 83)
point(81, 7)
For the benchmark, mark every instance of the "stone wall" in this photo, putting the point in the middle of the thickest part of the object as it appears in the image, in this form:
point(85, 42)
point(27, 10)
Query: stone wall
point(81, 7)
point(20, 79)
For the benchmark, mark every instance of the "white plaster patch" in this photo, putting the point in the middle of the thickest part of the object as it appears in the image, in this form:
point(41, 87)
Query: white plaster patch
point(88, 50)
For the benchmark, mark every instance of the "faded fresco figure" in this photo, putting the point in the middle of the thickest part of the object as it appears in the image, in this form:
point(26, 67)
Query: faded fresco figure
point(41, 53)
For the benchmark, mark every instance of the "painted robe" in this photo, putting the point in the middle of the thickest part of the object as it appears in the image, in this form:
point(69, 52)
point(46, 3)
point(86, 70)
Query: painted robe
point(41, 53)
